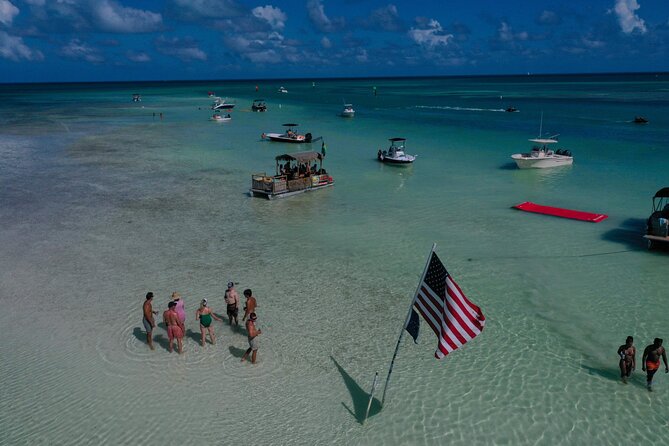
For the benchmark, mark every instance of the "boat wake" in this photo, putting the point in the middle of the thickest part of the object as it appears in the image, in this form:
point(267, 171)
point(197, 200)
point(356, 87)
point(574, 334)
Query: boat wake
point(445, 107)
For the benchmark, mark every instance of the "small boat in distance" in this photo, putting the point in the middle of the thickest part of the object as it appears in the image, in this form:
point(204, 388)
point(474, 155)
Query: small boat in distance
point(290, 135)
point(222, 104)
point(221, 118)
point(395, 153)
point(259, 105)
point(640, 120)
point(541, 156)
point(282, 90)
point(294, 175)
point(511, 109)
point(348, 111)
point(211, 94)
point(136, 97)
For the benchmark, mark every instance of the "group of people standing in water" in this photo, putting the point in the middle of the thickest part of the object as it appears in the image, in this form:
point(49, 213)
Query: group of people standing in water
point(650, 361)
point(174, 319)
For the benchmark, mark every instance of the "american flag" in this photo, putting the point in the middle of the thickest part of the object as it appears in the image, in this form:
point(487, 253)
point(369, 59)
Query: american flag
point(453, 318)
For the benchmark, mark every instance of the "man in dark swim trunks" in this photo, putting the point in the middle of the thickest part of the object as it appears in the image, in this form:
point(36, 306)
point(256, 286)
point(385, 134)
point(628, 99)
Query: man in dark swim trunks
point(650, 362)
point(627, 354)
point(232, 302)
point(147, 320)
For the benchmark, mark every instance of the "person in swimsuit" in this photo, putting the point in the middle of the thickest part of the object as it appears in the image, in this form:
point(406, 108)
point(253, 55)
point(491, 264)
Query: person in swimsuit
point(147, 320)
point(174, 326)
point(251, 303)
point(232, 301)
point(253, 334)
point(627, 354)
point(180, 309)
point(204, 315)
point(650, 362)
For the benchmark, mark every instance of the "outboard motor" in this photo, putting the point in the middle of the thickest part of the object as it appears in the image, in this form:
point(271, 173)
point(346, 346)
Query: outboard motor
point(307, 137)
point(567, 153)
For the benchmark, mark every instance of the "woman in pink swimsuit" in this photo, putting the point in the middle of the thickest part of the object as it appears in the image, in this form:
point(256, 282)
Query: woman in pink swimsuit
point(181, 310)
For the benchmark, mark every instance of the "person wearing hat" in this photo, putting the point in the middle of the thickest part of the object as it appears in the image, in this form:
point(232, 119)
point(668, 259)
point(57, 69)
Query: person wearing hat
point(147, 320)
point(204, 315)
point(232, 301)
point(253, 334)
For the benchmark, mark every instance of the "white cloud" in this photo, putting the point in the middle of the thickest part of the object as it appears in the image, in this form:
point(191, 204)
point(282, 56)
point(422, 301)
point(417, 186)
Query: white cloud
point(325, 42)
point(506, 34)
point(13, 48)
point(76, 49)
point(431, 36)
point(113, 17)
point(183, 49)
point(7, 12)
point(138, 57)
point(274, 16)
point(628, 20)
point(316, 13)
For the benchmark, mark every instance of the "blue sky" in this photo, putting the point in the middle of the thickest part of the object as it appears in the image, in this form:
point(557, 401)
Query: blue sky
point(106, 40)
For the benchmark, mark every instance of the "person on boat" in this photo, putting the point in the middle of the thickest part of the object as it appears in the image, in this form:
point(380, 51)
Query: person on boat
point(314, 169)
point(251, 303)
point(650, 362)
point(253, 333)
point(174, 327)
point(232, 303)
point(148, 320)
point(205, 315)
point(180, 309)
point(627, 354)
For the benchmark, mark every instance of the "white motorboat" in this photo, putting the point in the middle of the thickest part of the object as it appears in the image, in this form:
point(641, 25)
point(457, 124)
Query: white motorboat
point(259, 105)
point(290, 135)
point(282, 90)
point(348, 111)
point(395, 153)
point(222, 104)
point(221, 118)
point(542, 156)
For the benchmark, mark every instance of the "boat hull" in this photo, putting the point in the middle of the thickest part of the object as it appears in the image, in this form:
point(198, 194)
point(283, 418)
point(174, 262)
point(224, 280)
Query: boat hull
point(531, 162)
point(403, 162)
point(272, 196)
point(279, 137)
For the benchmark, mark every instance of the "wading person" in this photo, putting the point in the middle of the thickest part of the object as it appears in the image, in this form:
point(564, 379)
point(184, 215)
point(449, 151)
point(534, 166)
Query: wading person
point(205, 315)
point(250, 306)
point(650, 362)
point(174, 326)
point(148, 320)
point(627, 354)
point(253, 334)
point(232, 303)
point(180, 309)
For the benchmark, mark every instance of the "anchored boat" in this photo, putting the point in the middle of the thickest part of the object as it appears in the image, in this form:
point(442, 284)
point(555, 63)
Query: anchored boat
point(395, 153)
point(294, 175)
point(542, 156)
point(657, 225)
point(290, 135)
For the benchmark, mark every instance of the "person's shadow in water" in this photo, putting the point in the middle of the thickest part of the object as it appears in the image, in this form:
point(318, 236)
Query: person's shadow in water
point(359, 396)
point(237, 352)
point(638, 377)
point(157, 338)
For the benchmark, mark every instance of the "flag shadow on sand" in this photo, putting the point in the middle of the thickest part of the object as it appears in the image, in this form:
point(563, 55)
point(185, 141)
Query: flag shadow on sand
point(359, 396)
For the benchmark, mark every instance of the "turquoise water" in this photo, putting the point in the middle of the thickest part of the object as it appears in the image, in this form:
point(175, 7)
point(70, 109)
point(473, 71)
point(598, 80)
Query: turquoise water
point(102, 201)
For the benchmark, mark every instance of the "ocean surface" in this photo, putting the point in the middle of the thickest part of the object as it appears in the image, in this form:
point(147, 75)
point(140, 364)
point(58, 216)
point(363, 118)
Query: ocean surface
point(102, 201)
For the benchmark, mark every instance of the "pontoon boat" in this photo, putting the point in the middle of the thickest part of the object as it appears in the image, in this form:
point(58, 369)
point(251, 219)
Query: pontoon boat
point(294, 174)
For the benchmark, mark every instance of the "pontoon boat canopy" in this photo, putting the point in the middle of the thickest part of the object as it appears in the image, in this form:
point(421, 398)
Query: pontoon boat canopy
point(290, 125)
point(662, 193)
point(397, 139)
point(258, 100)
point(300, 157)
point(543, 141)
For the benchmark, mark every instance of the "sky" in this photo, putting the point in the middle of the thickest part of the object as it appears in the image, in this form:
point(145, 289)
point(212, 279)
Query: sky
point(136, 40)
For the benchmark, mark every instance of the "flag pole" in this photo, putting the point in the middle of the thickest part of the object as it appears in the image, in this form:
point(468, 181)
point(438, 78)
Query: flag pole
point(371, 397)
point(399, 340)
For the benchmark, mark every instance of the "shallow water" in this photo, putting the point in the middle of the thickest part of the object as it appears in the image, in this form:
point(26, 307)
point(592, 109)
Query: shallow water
point(102, 201)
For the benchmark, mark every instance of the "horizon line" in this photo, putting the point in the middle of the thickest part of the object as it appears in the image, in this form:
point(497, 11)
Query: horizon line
point(529, 74)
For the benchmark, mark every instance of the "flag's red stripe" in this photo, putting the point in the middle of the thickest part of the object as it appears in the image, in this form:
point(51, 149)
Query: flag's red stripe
point(476, 311)
point(457, 331)
point(464, 318)
point(465, 305)
point(425, 317)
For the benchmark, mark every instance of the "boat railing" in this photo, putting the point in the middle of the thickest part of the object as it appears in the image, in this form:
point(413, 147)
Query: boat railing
point(269, 184)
